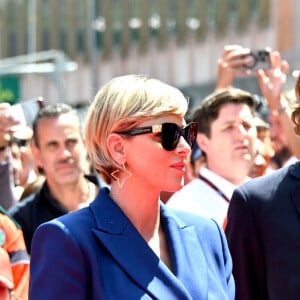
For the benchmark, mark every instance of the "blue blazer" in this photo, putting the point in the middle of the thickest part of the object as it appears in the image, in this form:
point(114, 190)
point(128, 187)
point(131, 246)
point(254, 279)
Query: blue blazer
point(96, 253)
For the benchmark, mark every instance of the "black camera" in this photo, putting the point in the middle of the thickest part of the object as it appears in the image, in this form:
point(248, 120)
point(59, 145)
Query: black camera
point(261, 59)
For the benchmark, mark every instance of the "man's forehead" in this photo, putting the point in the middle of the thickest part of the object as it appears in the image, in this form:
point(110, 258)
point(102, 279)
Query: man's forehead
point(62, 122)
point(59, 134)
point(238, 109)
point(68, 117)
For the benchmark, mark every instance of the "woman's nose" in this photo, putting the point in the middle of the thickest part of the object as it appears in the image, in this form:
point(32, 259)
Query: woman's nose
point(183, 146)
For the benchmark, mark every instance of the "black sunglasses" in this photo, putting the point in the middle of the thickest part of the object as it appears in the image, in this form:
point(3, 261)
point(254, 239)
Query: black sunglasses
point(170, 133)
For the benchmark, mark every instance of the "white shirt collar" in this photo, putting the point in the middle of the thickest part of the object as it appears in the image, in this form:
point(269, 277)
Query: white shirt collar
point(220, 182)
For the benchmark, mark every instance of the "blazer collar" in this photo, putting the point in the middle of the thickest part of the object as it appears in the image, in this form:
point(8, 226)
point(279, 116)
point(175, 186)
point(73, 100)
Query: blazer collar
point(294, 170)
point(126, 245)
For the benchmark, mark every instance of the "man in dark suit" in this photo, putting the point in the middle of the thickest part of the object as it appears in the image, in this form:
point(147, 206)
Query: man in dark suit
point(263, 233)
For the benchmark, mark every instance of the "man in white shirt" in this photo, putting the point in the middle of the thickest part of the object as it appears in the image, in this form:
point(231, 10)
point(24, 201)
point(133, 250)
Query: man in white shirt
point(219, 143)
point(226, 136)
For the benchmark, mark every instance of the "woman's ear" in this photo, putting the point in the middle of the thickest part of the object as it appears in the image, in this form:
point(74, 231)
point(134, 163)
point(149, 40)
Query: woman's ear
point(203, 142)
point(115, 146)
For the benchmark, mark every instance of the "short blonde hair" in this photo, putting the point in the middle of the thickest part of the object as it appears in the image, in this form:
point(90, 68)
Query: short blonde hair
point(122, 104)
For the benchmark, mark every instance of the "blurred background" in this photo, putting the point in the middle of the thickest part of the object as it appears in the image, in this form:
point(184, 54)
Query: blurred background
point(64, 50)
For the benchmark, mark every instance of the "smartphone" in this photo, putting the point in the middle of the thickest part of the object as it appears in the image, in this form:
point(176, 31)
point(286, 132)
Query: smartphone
point(261, 59)
point(26, 111)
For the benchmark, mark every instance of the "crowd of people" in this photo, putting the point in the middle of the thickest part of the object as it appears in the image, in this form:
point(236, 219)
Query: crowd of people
point(141, 202)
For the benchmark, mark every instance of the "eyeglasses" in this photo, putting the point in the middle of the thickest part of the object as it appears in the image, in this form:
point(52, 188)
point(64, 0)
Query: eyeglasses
point(170, 133)
point(20, 142)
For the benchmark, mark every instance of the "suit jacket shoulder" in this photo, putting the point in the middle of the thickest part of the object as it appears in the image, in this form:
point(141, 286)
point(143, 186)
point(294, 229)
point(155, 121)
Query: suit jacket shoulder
point(263, 225)
point(107, 251)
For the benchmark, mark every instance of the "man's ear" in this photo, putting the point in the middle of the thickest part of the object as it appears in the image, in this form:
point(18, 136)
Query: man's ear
point(203, 142)
point(37, 155)
point(116, 146)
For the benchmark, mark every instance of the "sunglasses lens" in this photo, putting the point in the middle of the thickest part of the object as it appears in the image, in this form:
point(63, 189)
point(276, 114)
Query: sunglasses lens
point(190, 133)
point(170, 136)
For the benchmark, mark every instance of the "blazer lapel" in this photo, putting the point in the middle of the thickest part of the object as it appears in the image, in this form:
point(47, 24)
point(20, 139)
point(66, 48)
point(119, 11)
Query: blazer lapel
point(132, 253)
point(186, 254)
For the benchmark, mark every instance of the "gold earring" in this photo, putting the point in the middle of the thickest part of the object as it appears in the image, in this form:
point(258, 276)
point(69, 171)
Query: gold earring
point(121, 179)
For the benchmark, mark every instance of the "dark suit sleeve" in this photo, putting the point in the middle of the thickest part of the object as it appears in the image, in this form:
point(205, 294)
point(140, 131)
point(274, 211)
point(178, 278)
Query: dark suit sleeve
point(24, 214)
point(7, 195)
point(246, 249)
point(49, 259)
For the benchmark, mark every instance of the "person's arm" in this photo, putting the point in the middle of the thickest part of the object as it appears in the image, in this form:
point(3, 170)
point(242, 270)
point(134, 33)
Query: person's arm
point(57, 265)
point(272, 82)
point(7, 195)
point(7, 123)
point(230, 65)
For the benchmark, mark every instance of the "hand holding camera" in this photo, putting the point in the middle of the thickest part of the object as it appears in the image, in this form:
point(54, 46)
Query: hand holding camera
point(272, 80)
point(266, 64)
point(259, 60)
point(232, 63)
point(17, 116)
point(7, 123)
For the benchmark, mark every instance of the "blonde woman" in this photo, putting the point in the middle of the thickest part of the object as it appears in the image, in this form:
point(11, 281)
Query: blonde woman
point(127, 244)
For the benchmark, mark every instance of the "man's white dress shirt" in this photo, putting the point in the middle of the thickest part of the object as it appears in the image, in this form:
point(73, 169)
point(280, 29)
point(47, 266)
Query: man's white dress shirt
point(199, 197)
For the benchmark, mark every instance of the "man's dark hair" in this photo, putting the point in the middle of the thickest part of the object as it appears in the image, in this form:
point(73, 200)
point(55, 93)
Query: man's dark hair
point(209, 108)
point(51, 111)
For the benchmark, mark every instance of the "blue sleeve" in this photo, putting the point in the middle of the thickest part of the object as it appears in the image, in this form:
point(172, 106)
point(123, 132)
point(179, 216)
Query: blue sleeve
point(227, 264)
point(52, 242)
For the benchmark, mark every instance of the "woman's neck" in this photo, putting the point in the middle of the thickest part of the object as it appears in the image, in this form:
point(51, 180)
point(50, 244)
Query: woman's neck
point(142, 209)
